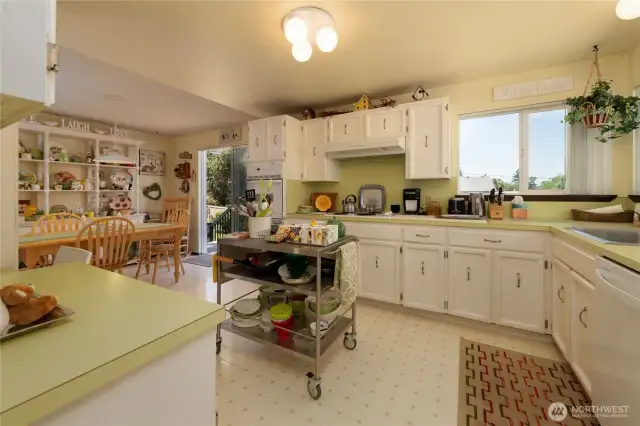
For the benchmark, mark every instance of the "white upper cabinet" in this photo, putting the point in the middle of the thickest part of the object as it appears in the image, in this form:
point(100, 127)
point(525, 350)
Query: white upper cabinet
point(257, 136)
point(385, 123)
point(29, 60)
point(423, 277)
point(346, 128)
point(428, 146)
point(317, 167)
point(275, 135)
point(519, 290)
point(469, 283)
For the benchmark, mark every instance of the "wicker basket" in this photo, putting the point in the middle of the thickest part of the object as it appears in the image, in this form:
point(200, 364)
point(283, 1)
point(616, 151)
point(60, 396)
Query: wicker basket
point(585, 216)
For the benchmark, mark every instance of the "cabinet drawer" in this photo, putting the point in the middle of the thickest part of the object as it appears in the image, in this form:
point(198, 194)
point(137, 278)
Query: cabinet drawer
point(264, 169)
point(499, 240)
point(583, 262)
point(424, 234)
point(374, 231)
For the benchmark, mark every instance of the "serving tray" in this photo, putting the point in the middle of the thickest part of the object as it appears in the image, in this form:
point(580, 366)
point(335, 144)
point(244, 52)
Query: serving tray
point(59, 312)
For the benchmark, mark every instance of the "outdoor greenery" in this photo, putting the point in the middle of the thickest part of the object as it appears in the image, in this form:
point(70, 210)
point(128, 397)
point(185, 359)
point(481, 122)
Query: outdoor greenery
point(557, 182)
point(219, 177)
point(624, 112)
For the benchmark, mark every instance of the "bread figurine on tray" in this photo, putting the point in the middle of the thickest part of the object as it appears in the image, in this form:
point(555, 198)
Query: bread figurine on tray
point(20, 306)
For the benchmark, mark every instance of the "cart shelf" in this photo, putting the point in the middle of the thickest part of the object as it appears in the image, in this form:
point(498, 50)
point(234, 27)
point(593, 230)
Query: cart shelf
point(258, 244)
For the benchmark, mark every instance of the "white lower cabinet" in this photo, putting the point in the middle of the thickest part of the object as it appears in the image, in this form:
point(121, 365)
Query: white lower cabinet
point(379, 270)
point(561, 283)
point(580, 348)
point(469, 292)
point(423, 277)
point(518, 284)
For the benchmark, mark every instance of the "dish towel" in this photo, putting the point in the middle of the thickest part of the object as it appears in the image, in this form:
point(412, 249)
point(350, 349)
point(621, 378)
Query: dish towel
point(345, 279)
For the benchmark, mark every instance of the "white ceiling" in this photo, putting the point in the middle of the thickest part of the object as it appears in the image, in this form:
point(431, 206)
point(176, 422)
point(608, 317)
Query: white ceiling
point(234, 52)
point(93, 90)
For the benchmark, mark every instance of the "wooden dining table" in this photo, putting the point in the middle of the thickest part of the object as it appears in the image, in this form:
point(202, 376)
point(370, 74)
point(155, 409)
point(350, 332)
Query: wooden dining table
point(33, 247)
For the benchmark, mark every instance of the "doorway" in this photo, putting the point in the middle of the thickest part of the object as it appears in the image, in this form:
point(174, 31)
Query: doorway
point(223, 179)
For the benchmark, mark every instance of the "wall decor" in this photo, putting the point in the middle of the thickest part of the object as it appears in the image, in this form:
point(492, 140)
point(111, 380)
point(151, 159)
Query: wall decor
point(183, 170)
point(80, 125)
point(232, 134)
point(386, 103)
point(363, 103)
point(193, 176)
point(419, 94)
point(153, 191)
point(184, 187)
point(533, 88)
point(152, 162)
point(185, 155)
point(308, 114)
point(75, 124)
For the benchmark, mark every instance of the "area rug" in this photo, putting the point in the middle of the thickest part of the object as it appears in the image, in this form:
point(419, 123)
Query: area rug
point(200, 260)
point(502, 387)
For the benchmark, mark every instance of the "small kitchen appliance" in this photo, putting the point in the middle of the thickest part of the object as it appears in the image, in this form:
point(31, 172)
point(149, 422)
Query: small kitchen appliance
point(476, 204)
point(456, 206)
point(349, 204)
point(411, 200)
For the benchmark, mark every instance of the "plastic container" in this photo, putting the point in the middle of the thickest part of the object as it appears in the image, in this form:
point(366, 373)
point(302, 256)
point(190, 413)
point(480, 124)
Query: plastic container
point(282, 316)
point(305, 344)
point(265, 321)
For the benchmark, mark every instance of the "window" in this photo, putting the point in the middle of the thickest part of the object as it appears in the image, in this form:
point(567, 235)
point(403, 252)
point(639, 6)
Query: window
point(521, 151)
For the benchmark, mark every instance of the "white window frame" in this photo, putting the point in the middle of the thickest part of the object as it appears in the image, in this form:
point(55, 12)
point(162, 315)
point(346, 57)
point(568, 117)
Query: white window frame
point(523, 145)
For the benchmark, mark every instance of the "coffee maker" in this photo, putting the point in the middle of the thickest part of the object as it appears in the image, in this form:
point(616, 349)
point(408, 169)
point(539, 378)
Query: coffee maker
point(411, 200)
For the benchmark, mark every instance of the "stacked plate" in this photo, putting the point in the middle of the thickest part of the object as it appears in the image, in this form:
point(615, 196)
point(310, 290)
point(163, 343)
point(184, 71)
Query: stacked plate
point(246, 313)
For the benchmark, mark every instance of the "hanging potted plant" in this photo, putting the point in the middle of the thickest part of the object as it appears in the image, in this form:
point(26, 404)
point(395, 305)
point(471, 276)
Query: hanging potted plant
point(614, 115)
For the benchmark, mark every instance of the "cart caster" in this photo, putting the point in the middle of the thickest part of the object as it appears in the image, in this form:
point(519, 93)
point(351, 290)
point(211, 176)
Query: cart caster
point(350, 341)
point(218, 347)
point(313, 387)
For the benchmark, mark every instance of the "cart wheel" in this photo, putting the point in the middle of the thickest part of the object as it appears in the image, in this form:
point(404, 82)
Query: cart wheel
point(314, 389)
point(350, 341)
point(218, 347)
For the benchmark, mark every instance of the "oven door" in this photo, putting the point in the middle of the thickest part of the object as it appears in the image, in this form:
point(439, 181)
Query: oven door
point(276, 193)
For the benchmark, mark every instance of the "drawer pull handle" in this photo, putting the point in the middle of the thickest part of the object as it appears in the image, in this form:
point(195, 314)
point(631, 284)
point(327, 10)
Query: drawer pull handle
point(384, 124)
point(314, 151)
point(584, 310)
point(561, 289)
point(274, 140)
point(423, 235)
point(345, 129)
point(426, 141)
point(376, 261)
point(492, 241)
point(256, 141)
point(423, 267)
point(468, 273)
point(518, 275)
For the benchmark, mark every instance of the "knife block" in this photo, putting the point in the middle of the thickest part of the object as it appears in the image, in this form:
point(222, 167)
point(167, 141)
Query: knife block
point(495, 211)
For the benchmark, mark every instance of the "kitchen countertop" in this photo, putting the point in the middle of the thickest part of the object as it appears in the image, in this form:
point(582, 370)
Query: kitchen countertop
point(626, 255)
point(120, 324)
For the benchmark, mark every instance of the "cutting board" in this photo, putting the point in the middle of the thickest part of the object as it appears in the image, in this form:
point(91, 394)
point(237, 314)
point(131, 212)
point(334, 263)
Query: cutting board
point(332, 196)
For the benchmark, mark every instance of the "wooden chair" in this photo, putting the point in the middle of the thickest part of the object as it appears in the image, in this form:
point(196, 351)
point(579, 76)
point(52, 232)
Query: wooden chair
point(109, 239)
point(160, 248)
point(171, 204)
point(57, 223)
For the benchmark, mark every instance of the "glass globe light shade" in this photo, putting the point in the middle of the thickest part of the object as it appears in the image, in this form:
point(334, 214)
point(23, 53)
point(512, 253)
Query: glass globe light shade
point(327, 39)
point(301, 51)
point(295, 30)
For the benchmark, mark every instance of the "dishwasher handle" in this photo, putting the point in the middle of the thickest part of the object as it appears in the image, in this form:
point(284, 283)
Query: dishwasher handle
point(628, 299)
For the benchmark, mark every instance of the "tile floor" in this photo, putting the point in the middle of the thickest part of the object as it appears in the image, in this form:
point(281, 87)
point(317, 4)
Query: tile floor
point(403, 372)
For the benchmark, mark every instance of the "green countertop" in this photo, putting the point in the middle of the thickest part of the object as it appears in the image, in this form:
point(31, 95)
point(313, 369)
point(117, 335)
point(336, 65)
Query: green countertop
point(119, 325)
point(625, 254)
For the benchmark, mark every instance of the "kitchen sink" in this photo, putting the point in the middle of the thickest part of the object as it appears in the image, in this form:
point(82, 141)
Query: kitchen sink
point(611, 236)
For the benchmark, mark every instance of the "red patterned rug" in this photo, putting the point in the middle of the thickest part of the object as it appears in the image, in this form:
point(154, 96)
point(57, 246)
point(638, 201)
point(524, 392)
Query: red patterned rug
point(502, 387)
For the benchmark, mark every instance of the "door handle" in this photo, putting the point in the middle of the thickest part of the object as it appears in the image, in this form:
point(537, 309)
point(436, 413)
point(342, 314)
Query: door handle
point(492, 241)
point(423, 267)
point(580, 316)
point(384, 124)
point(561, 289)
point(345, 129)
point(274, 140)
point(256, 141)
point(314, 151)
point(376, 261)
point(518, 275)
point(426, 141)
point(468, 273)
point(423, 235)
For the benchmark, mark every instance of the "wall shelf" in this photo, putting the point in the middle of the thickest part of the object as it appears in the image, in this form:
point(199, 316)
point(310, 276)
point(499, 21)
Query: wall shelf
point(24, 160)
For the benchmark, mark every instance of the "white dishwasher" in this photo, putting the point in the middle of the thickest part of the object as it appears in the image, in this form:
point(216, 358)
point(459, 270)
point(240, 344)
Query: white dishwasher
point(616, 338)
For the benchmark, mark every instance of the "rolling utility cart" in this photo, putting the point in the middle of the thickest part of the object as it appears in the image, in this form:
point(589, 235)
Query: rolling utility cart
point(224, 272)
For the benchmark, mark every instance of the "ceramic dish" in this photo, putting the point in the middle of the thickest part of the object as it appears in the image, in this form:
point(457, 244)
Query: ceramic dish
point(245, 323)
point(323, 203)
point(57, 152)
point(27, 176)
point(247, 307)
point(324, 326)
point(119, 202)
point(121, 179)
point(307, 276)
point(64, 176)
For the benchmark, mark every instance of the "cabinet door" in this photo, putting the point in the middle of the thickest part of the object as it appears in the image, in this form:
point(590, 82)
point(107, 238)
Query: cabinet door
point(427, 153)
point(257, 151)
point(469, 283)
point(275, 135)
point(379, 270)
point(385, 123)
point(518, 290)
point(423, 277)
point(581, 346)
point(560, 304)
point(346, 128)
point(315, 133)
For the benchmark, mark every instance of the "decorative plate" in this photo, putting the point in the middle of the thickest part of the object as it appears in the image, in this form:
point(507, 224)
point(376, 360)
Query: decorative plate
point(323, 203)
point(119, 202)
point(247, 307)
point(121, 179)
point(58, 208)
point(64, 176)
point(58, 152)
point(27, 176)
point(307, 276)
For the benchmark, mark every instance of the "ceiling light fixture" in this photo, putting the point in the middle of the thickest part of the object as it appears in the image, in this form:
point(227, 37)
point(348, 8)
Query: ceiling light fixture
point(305, 23)
point(628, 9)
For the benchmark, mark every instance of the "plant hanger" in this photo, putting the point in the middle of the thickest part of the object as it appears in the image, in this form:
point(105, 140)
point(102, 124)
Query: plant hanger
point(594, 117)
